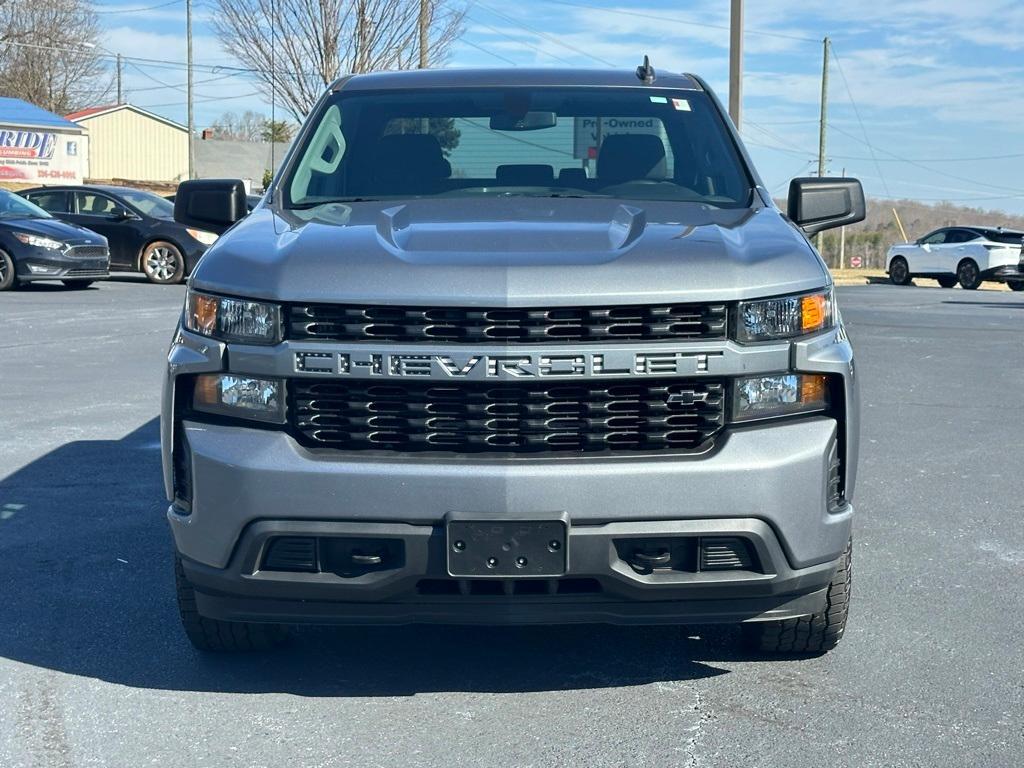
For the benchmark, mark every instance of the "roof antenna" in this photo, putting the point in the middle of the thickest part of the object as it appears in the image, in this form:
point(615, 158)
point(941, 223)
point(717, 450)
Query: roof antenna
point(645, 71)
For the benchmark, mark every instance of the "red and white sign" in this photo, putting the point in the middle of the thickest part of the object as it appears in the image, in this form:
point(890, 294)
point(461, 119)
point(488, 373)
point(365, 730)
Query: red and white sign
point(34, 156)
point(856, 262)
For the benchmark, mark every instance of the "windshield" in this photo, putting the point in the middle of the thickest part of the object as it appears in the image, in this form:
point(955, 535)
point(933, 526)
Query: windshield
point(14, 206)
point(148, 203)
point(625, 143)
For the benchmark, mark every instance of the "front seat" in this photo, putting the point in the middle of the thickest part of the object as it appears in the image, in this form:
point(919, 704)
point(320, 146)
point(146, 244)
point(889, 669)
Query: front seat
point(409, 163)
point(631, 157)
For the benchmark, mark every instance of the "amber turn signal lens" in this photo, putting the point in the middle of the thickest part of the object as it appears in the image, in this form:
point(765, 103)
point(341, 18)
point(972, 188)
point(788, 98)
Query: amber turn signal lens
point(207, 391)
point(813, 389)
point(203, 310)
point(813, 312)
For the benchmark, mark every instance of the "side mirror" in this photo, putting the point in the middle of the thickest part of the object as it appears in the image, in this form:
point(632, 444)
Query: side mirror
point(210, 204)
point(121, 214)
point(816, 204)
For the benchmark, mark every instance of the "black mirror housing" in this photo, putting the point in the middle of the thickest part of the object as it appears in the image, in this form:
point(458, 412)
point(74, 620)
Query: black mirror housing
point(210, 204)
point(816, 204)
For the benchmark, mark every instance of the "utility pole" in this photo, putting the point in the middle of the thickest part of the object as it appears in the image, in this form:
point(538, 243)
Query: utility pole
point(842, 241)
point(823, 123)
point(736, 63)
point(191, 116)
point(120, 99)
point(423, 33)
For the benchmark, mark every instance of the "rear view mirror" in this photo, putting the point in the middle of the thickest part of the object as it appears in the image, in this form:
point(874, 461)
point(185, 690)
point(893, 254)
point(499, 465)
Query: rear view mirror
point(531, 121)
point(816, 204)
point(210, 204)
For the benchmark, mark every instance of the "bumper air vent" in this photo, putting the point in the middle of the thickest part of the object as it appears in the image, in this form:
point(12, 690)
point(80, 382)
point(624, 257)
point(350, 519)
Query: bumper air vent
point(833, 490)
point(462, 325)
point(291, 553)
point(725, 554)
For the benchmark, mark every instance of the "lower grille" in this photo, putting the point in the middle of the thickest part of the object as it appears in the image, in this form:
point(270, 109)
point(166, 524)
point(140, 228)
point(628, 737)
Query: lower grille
point(471, 417)
point(88, 251)
point(86, 273)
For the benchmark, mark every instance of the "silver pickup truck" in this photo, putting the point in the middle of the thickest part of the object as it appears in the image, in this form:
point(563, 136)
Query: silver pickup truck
point(521, 346)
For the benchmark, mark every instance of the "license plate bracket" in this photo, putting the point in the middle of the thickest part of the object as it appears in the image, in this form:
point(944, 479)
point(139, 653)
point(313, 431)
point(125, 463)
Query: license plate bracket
point(507, 548)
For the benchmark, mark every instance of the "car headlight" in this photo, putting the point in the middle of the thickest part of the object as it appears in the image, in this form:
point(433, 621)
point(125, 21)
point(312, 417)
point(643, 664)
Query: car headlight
point(764, 397)
point(204, 237)
point(38, 241)
point(242, 320)
point(242, 397)
point(785, 317)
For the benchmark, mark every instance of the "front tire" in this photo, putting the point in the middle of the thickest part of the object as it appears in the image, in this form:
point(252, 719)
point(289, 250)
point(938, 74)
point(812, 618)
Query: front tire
point(163, 263)
point(1016, 285)
point(816, 633)
point(8, 277)
point(899, 271)
point(968, 274)
point(947, 281)
point(221, 636)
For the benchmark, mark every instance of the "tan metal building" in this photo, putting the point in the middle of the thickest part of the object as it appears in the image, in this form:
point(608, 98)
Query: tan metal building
point(128, 142)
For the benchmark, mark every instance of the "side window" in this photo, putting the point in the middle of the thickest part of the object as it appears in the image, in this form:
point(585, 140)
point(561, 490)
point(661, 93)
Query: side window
point(92, 204)
point(965, 236)
point(54, 202)
point(936, 238)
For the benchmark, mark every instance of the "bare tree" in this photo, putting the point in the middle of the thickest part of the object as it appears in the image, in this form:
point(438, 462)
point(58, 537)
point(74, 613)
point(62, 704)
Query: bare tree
point(247, 126)
point(49, 54)
point(314, 41)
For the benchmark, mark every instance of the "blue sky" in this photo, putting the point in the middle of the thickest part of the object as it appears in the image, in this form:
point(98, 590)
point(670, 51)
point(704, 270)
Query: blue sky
point(927, 96)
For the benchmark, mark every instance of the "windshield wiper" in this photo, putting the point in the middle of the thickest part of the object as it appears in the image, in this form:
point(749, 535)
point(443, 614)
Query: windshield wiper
point(318, 203)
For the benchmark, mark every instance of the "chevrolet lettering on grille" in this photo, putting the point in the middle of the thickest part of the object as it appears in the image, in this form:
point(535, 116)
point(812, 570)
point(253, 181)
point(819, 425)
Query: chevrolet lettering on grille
point(471, 367)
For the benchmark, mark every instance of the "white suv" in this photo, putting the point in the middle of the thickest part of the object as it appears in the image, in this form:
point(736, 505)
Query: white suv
point(968, 255)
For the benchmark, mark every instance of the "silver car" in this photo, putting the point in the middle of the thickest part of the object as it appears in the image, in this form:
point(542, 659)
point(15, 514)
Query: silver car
point(513, 347)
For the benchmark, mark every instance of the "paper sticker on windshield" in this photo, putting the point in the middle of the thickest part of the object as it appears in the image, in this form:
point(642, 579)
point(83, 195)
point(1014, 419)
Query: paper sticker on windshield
point(659, 100)
point(682, 105)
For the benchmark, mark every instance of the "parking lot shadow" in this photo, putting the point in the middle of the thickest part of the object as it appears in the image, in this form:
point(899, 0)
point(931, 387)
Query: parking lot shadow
point(86, 569)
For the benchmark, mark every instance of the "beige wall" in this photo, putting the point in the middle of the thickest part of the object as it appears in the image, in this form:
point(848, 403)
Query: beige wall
point(127, 145)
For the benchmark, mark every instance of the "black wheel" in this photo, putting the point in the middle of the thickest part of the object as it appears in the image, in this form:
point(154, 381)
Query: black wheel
point(77, 285)
point(899, 272)
point(968, 274)
point(215, 635)
point(1016, 285)
point(8, 278)
point(947, 281)
point(816, 633)
point(162, 263)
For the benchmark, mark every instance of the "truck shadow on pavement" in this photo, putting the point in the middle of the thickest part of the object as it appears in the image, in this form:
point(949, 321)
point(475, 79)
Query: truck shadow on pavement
point(86, 569)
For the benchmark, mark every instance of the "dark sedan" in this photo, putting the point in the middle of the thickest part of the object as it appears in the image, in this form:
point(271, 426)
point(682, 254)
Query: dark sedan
point(36, 246)
point(139, 225)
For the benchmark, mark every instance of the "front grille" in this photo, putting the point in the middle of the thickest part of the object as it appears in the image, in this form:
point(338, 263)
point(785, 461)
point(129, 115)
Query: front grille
point(86, 273)
point(88, 251)
point(660, 322)
point(519, 417)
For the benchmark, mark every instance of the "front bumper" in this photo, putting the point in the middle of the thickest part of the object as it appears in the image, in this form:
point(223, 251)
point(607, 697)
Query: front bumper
point(764, 483)
point(49, 265)
point(1008, 273)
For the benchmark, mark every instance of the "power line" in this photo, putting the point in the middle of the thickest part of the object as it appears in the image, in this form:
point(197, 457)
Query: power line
point(856, 112)
point(546, 36)
point(489, 53)
point(634, 14)
point(136, 10)
point(517, 40)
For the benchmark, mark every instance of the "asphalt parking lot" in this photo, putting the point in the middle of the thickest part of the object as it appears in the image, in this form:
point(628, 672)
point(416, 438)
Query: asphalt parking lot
point(94, 670)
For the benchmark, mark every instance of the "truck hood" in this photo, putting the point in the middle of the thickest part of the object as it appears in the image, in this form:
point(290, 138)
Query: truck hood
point(511, 252)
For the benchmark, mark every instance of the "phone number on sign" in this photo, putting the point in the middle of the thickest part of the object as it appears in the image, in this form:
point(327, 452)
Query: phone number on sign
point(45, 173)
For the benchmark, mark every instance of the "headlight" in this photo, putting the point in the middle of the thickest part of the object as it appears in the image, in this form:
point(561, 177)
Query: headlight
point(763, 397)
point(240, 396)
point(785, 317)
point(37, 241)
point(251, 322)
point(204, 237)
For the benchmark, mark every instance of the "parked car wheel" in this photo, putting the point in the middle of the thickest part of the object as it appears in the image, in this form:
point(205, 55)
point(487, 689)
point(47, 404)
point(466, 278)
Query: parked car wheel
point(1016, 285)
point(216, 635)
point(899, 272)
point(947, 282)
point(163, 263)
point(8, 280)
point(968, 274)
